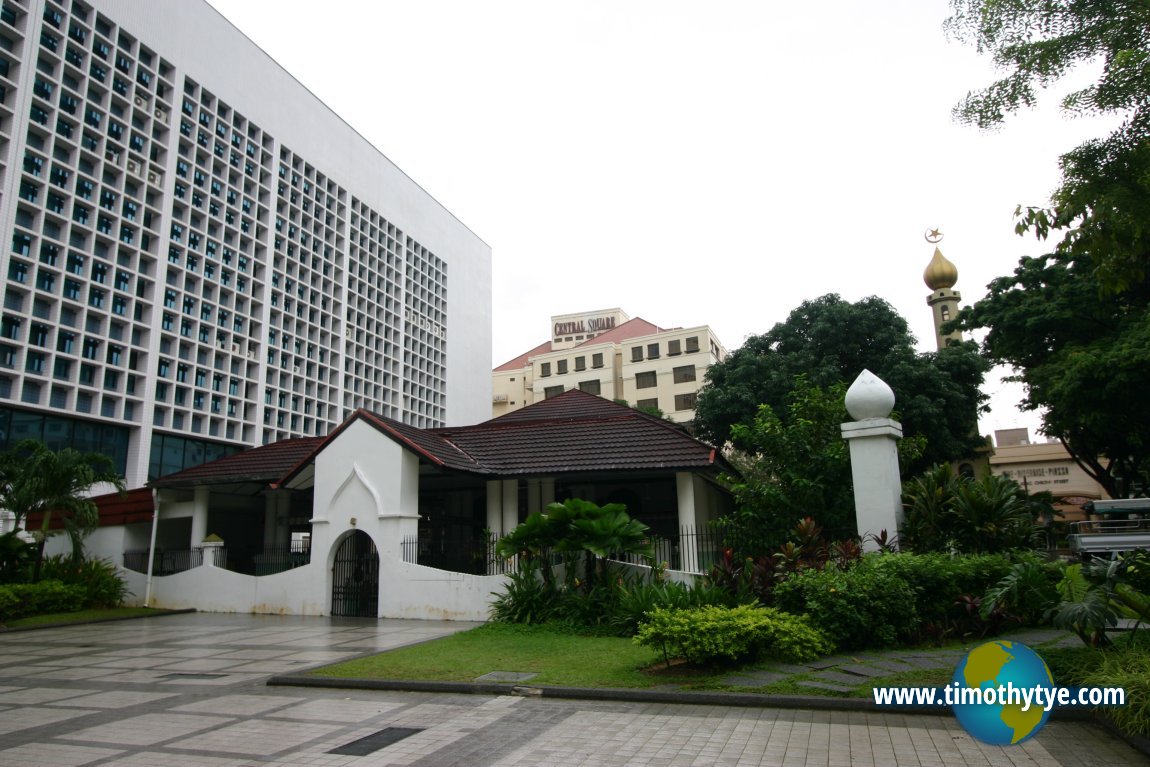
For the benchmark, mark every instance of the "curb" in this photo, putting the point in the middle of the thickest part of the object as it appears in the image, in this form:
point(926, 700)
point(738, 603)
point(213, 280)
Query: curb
point(115, 619)
point(688, 697)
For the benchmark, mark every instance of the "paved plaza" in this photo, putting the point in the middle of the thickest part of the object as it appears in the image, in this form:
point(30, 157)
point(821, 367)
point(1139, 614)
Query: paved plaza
point(189, 691)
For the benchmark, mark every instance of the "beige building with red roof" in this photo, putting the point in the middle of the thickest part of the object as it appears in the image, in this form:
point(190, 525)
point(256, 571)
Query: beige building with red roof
point(612, 355)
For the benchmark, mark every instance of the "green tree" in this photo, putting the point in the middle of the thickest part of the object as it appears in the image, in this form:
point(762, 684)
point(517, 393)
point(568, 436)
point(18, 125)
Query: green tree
point(795, 468)
point(1083, 360)
point(1102, 206)
point(830, 341)
point(35, 480)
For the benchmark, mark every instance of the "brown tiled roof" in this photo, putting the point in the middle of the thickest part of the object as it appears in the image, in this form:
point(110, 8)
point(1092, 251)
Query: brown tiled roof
point(262, 464)
point(572, 432)
point(576, 431)
point(428, 443)
point(114, 509)
point(126, 508)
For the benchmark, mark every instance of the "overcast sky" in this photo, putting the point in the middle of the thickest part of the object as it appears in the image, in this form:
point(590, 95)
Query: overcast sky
point(691, 163)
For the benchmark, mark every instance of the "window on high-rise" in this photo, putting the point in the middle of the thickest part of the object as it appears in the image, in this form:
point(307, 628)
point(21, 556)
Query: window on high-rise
point(685, 401)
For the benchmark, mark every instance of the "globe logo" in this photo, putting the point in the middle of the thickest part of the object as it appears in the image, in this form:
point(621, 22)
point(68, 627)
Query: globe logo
point(999, 665)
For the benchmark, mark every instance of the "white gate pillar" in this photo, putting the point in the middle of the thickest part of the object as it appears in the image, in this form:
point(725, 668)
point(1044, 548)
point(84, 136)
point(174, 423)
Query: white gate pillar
point(199, 516)
point(873, 440)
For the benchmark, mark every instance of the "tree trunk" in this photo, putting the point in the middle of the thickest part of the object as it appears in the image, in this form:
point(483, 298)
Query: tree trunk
point(40, 548)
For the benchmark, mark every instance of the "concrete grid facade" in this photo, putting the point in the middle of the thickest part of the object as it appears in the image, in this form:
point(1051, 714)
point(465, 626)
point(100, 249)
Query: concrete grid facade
point(201, 257)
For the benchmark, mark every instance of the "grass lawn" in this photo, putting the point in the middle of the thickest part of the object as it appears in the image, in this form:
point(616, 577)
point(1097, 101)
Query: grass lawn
point(565, 659)
point(83, 616)
point(558, 659)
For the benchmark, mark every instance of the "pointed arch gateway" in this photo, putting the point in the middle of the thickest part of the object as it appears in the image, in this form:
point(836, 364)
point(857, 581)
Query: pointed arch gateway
point(355, 577)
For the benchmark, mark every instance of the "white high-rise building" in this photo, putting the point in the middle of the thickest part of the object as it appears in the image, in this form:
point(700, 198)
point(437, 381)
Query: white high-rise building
point(199, 256)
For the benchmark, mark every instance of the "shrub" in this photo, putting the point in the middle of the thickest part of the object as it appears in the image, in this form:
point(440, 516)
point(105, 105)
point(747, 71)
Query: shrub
point(101, 583)
point(947, 512)
point(590, 609)
point(22, 599)
point(1028, 591)
point(636, 601)
point(864, 606)
point(943, 585)
point(526, 599)
point(611, 607)
point(11, 603)
point(16, 557)
point(1128, 668)
point(1125, 664)
point(724, 634)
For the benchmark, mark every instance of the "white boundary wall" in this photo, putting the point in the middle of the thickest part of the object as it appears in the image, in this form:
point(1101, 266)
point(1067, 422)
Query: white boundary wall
point(405, 591)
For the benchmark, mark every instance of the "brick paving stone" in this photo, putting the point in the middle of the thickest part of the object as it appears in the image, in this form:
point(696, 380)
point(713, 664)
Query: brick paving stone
point(824, 686)
point(756, 679)
point(895, 666)
point(839, 676)
point(238, 721)
point(929, 662)
point(791, 668)
point(863, 670)
point(834, 660)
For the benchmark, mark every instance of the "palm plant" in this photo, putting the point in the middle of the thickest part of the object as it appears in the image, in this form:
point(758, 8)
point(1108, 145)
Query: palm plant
point(578, 528)
point(991, 515)
point(945, 512)
point(35, 480)
point(926, 504)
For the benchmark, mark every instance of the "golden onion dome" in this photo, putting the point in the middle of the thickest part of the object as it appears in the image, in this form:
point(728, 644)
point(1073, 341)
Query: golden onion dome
point(940, 273)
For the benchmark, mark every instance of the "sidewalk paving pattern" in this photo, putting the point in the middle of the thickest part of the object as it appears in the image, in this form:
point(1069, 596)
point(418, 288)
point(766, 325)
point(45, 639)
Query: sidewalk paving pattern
point(189, 691)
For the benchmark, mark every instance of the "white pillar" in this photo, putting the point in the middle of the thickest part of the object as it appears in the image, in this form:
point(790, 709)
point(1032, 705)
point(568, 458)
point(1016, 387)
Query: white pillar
point(200, 516)
point(534, 496)
point(213, 553)
point(547, 492)
point(688, 523)
point(873, 441)
point(685, 487)
point(495, 507)
point(510, 505)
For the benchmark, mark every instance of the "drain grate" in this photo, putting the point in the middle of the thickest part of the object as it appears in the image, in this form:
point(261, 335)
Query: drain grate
point(192, 676)
point(374, 742)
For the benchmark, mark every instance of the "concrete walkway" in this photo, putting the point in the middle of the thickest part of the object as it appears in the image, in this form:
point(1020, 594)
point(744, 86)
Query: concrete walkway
point(844, 673)
point(189, 691)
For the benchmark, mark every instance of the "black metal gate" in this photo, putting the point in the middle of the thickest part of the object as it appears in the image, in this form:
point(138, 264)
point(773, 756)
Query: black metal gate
point(355, 578)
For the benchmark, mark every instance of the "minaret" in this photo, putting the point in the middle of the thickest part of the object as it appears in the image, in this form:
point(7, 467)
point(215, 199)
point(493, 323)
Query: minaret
point(940, 276)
